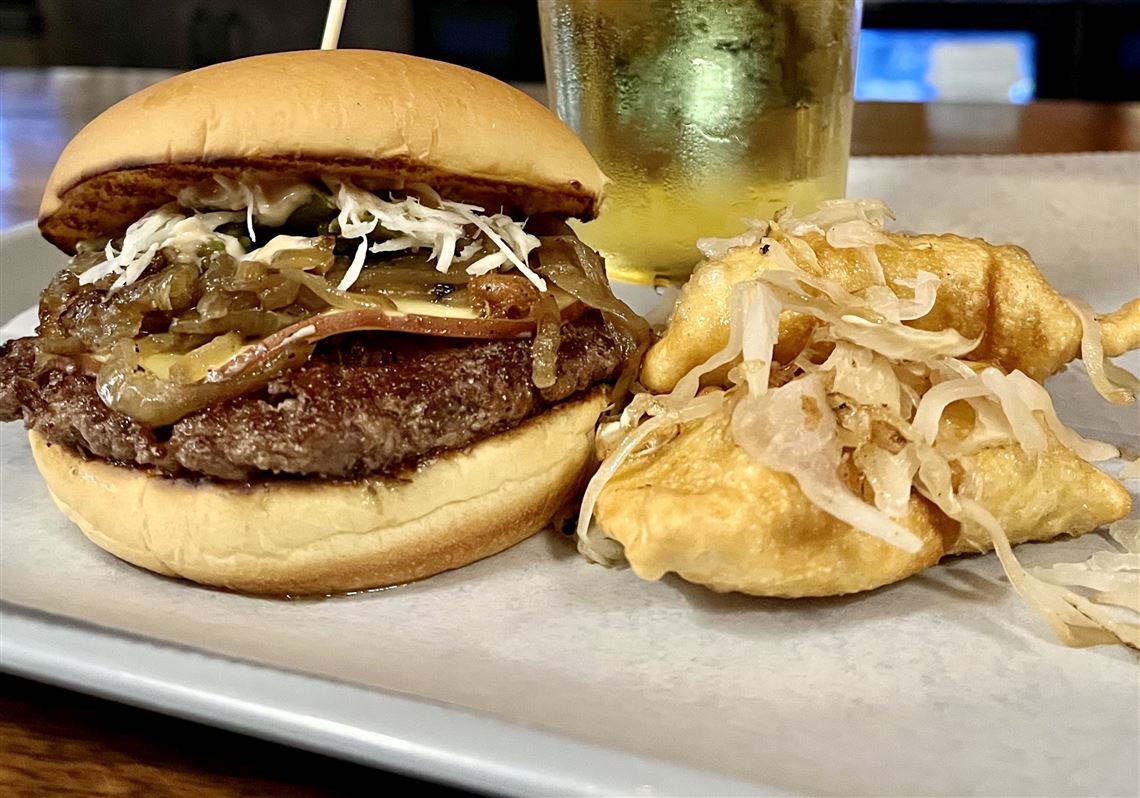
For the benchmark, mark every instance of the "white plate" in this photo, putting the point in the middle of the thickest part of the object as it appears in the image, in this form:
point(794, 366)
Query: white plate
point(533, 672)
point(369, 726)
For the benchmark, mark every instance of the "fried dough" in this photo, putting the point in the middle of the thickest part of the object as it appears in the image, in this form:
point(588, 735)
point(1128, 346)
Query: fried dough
point(833, 408)
point(993, 293)
point(699, 506)
point(1039, 497)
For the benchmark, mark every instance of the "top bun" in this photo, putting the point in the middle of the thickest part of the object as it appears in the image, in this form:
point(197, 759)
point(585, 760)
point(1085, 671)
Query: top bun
point(380, 119)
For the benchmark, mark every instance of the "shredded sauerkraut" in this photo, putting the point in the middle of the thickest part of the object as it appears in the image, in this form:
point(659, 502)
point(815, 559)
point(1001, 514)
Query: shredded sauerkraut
point(168, 226)
point(1112, 382)
point(454, 232)
point(895, 404)
point(1109, 585)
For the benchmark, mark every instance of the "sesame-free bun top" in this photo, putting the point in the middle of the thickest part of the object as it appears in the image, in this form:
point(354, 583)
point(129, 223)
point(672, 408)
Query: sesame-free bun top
point(380, 119)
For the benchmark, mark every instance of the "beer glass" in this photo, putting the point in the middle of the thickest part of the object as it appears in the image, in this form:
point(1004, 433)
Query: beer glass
point(702, 112)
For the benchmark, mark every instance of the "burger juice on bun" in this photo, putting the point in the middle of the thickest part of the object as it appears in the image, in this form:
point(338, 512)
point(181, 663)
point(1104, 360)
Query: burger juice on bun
point(324, 327)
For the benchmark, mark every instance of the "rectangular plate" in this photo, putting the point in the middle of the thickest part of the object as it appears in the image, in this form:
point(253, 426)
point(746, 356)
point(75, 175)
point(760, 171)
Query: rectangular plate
point(534, 672)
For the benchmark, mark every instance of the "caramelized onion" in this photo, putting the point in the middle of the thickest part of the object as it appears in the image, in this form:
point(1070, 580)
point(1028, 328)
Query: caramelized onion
point(217, 304)
point(194, 365)
point(547, 337)
point(276, 292)
point(504, 296)
point(125, 386)
point(578, 270)
point(318, 259)
point(250, 323)
point(61, 294)
point(410, 274)
point(334, 297)
point(75, 318)
point(169, 343)
point(292, 302)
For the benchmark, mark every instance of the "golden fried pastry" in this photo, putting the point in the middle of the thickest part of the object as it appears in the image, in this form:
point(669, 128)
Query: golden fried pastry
point(992, 293)
point(871, 403)
point(1039, 497)
point(700, 507)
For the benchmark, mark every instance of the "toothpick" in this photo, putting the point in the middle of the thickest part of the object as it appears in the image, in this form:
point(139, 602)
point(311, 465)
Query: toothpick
point(332, 24)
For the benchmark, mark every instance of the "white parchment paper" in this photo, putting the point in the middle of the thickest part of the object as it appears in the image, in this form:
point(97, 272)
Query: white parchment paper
point(945, 684)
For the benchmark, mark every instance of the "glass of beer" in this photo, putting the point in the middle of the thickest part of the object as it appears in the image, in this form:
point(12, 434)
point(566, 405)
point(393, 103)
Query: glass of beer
point(702, 113)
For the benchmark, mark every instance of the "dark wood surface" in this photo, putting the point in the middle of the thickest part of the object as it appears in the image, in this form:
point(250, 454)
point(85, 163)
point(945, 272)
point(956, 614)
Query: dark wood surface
point(58, 742)
point(54, 741)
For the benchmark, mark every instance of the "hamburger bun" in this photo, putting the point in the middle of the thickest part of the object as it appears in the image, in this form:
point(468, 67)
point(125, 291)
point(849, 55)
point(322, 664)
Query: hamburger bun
point(300, 483)
point(380, 119)
point(301, 537)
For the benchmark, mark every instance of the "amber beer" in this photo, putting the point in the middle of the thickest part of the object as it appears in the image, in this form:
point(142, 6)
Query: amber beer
point(702, 112)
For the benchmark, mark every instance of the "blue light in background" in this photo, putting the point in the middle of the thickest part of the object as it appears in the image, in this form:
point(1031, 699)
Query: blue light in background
point(931, 65)
point(1130, 52)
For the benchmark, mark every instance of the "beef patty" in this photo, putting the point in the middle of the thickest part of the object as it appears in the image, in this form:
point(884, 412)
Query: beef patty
point(367, 403)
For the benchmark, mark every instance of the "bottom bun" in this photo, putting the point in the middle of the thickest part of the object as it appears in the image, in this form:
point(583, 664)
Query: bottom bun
point(325, 536)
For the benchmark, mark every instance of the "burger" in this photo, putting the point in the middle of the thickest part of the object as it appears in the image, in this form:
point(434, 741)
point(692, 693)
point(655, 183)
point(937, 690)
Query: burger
point(324, 326)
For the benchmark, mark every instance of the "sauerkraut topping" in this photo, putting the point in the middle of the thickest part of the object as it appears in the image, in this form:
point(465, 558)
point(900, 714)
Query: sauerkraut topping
point(868, 412)
point(1104, 589)
point(1112, 382)
point(452, 232)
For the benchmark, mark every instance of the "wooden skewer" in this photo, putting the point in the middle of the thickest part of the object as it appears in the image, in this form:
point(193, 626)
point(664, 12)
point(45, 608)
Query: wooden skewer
point(332, 24)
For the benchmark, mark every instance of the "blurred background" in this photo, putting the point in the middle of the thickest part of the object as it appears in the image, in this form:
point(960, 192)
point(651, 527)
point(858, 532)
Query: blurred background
point(911, 50)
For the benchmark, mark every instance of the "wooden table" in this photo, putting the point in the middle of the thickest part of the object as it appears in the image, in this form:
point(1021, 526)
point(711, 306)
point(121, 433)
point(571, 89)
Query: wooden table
point(57, 742)
point(69, 744)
